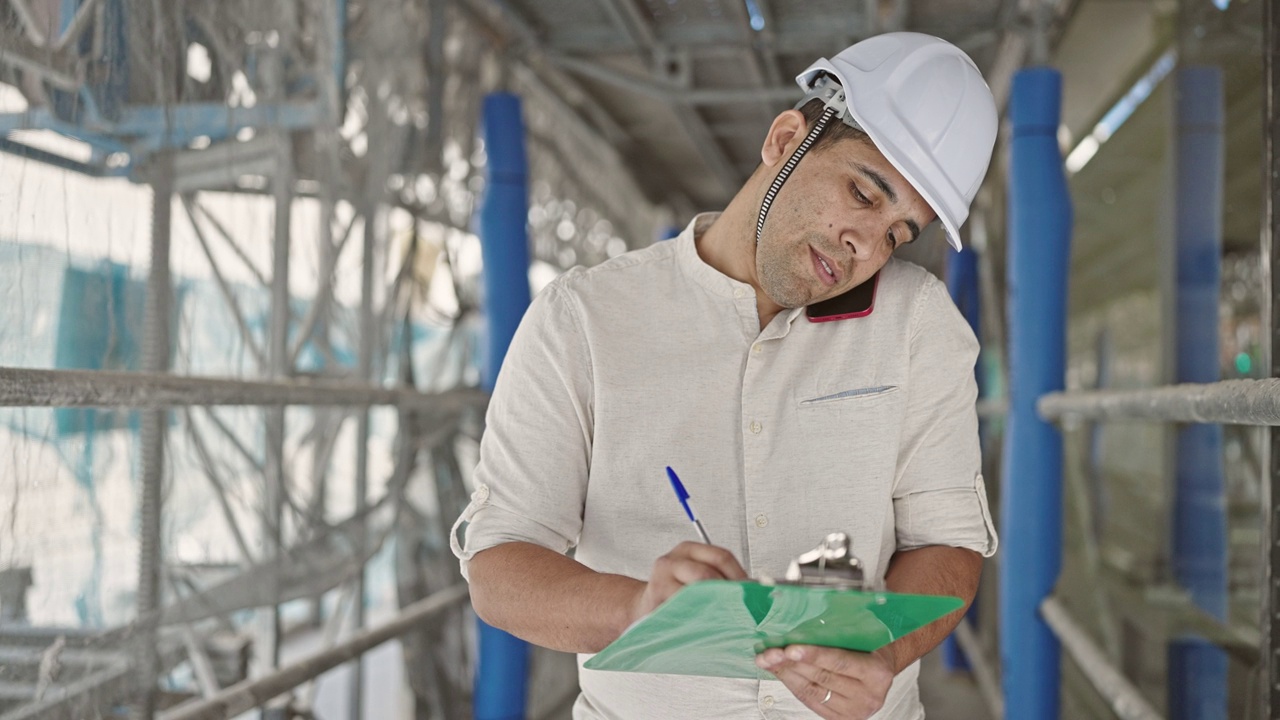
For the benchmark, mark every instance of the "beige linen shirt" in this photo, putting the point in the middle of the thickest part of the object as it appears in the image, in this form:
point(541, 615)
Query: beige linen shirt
point(865, 426)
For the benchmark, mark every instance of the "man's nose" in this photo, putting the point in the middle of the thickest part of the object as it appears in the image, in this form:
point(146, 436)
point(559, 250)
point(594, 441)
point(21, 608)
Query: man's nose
point(858, 242)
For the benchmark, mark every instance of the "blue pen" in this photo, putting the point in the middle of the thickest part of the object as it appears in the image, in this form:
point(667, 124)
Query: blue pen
point(683, 496)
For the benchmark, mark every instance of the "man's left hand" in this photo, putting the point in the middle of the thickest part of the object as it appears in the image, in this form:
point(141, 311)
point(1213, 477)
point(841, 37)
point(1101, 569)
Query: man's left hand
point(836, 684)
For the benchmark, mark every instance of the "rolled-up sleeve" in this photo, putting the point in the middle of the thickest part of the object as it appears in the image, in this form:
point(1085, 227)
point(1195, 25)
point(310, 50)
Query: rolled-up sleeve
point(531, 480)
point(939, 497)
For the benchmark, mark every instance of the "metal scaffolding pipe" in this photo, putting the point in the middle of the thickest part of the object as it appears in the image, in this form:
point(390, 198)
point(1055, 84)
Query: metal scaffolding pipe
point(276, 476)
point(151, 439)
point(228, 294)
point(1038, 260)
point(364, 365)
point(502, 667)
point(30, 25)
point(248, 694)
point(1123, 698)
point(992, 408)
point(1270, 485)
point(962, 284)
point(1197, 669)
point(983, 672)
point(31, 387)
point(1230, 402)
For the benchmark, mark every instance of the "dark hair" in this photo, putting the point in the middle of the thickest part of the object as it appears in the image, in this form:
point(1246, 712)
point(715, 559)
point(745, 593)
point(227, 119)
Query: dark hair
point(836, 130)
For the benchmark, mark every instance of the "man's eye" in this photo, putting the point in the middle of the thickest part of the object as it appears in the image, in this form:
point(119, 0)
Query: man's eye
point(859, 196)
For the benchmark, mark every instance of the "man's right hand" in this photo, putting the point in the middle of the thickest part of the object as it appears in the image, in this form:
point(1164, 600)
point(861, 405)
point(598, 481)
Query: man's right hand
point(688, 562)
point(554, 601)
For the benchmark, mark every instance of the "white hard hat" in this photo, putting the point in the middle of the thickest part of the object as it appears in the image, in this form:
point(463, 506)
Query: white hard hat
point(925, 106)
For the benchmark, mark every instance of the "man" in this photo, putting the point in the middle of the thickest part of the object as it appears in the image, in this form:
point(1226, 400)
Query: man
point(800, 381)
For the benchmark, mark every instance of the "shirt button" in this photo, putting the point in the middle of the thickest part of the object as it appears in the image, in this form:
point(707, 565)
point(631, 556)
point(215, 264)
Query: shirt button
point(756, 427)
point(761, 520)
point(739, 292)
point(757, 348)
point(768, 701)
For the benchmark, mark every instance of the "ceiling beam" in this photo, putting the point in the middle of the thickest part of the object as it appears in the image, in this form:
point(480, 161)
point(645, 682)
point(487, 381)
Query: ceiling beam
point(524, 44)
point(871, 16)
point(763, 62)
point(764, 42)
point(725, 39)
point(897, 19)
point(671, 92)
point(698, 38)
point(629, 20)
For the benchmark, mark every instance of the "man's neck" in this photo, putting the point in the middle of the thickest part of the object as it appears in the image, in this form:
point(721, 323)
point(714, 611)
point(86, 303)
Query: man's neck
point(729, 246)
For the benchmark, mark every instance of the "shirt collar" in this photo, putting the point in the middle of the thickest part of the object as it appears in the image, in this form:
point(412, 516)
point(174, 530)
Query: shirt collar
point(780, 329)
point(717, 282)
point(708, 277)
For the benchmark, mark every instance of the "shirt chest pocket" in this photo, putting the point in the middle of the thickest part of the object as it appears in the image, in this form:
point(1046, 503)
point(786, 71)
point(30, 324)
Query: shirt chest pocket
point(852, 428)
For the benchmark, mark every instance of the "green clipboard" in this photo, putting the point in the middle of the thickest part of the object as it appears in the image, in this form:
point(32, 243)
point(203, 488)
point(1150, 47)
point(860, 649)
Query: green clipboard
point(717, 627)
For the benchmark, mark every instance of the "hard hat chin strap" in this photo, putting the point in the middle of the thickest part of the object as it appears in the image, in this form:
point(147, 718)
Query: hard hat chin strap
point(790, 165)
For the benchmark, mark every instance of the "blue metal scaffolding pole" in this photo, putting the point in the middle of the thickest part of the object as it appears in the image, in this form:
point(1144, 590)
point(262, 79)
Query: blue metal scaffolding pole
point(502, 675)
point(1038, 264)
point(962, 283)
point(1197, 668)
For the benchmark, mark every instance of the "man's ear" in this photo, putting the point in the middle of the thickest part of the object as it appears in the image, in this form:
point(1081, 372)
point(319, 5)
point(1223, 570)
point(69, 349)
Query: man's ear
point(788, 129)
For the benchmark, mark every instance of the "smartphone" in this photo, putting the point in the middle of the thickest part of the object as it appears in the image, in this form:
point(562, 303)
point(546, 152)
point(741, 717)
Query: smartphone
point(856, 303)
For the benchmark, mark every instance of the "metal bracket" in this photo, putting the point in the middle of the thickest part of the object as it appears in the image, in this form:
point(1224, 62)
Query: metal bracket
point(673, 66)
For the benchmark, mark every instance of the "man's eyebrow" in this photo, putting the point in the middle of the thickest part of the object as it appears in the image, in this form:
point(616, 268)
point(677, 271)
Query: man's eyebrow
point(879, 180)
point(915, 230)
point(889, 192)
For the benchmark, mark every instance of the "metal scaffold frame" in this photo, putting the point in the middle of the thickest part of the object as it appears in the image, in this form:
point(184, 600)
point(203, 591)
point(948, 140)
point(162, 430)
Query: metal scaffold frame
point(1229, 402)
point(33, 387)
point(1270, 611)
point(249, 694)
point(325, 110)
point(1232, 402)
point(154, 141)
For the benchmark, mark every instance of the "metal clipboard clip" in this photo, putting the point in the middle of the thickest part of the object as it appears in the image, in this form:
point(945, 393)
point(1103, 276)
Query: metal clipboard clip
point(830, 565)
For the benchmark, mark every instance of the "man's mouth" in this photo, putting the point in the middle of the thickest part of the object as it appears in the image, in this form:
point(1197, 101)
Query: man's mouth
point(824, 268)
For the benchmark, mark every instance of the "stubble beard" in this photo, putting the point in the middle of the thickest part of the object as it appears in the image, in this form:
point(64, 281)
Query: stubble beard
point(782, 277)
